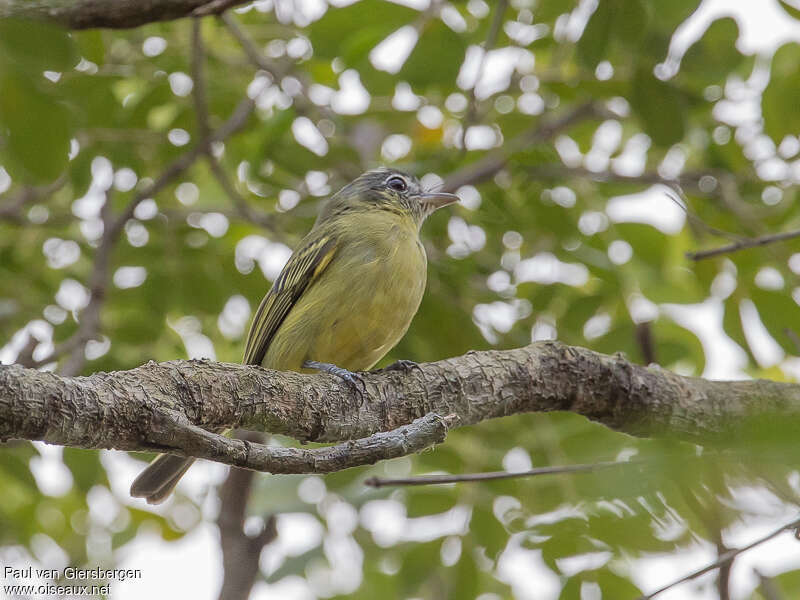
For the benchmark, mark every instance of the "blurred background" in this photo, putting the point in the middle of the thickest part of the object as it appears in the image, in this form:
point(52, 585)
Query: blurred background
point(153, 182)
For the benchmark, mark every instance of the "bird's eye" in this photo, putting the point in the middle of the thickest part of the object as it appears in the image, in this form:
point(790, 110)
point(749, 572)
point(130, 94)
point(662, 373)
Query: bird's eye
point(398, 184)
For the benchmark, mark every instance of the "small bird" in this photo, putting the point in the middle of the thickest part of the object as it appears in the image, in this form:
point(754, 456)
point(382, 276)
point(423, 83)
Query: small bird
point(345, 297)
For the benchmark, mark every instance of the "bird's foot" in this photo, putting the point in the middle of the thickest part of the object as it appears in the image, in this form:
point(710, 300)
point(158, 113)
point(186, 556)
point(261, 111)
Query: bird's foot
point(353, 379)
point(406, 366)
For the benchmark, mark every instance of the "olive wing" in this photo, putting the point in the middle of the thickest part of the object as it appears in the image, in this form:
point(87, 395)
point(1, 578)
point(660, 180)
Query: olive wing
point(304, 266)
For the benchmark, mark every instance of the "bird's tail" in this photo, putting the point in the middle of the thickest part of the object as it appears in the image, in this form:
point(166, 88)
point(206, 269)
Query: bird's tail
point(160, 477)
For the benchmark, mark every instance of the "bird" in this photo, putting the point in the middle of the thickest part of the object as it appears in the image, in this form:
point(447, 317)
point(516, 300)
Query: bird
point(345, 297)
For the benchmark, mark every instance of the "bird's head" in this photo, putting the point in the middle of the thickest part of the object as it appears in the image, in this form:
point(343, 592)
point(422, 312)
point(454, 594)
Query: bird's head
point(390, 190)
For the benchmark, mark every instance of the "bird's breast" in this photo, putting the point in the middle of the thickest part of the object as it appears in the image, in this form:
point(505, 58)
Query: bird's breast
point(386, 270)
point(362, 304)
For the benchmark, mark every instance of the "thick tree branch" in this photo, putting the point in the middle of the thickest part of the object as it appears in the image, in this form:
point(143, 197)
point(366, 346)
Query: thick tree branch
point(116, 14)
point(174, 406)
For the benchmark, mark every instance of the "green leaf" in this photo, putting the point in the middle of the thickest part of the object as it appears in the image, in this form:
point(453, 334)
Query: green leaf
point(429, 502)
point(778, 106)
point(85, 467)
point(630, 21)
point(714, 56)
point(778, 312)
point(91, 45)
point(342, 31)
point(615, 586)
point(487, 531)
point(593, 44)
point(437, 57)
point(37, 130)
point(660, 106)
point(673, 13)
point(622, 22)
point(37, 46)
point(793, 11)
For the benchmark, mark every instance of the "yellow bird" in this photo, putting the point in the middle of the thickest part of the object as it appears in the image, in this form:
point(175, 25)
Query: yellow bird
point(345, 297)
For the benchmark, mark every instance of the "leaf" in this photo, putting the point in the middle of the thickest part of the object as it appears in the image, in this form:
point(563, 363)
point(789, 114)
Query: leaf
point(342, 31)
point(660, 106)
point(714, 56)
point(90, 45)
point(85, 467)
point(437, 57)
point(616, 586)
point(37, 130)
point(630, 21)
point(793, 11)
point(593, 44)
point(487, 531)
point(778, 106)
point(620, 22)
point(778, 312)
point(432, 501)
point(37, 46)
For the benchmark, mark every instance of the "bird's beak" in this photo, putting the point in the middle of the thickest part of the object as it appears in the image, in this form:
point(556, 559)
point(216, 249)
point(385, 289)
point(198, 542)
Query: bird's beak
point(436, 200)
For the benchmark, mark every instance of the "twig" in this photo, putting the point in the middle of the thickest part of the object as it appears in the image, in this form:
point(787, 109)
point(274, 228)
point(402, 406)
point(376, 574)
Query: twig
point(723, 559)
point(683, 203)
point(113, 227)
point(644, 338)
point(214, 7)
point(250, 49)
point(689, 179)
point(203, 118)
point(10, 210)
point(493, 162)
point(790, 333)
point(301, 102)
point(377, 482)
point(724, 575)
point(199, 87)
point(234, 123)
point(177, 434)
point(89, 318)
point(744, 244)
point(491, 40)
point(559, 171)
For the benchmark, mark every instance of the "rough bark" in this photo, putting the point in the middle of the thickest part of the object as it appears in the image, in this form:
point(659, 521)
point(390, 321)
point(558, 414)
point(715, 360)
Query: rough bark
point(174, 406)
point(116, 14)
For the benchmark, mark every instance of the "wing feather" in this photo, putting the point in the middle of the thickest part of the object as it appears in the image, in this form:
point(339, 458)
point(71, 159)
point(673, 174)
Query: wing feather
point(304, 266)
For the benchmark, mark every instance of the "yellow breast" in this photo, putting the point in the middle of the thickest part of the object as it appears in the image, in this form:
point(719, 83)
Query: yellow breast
point(364, 301)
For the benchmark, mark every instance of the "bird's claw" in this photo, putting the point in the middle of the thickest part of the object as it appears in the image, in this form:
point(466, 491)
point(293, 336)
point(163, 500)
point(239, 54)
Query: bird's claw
point(403, 365)
point(353, 379)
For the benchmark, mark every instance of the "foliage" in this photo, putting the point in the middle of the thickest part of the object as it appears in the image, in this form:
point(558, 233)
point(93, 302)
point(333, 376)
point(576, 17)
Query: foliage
point(543, 245)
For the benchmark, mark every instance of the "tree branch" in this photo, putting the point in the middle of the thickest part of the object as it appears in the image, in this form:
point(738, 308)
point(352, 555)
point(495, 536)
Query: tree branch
point(174, 406)
point(723, 559)
point(204, 130)
point(378, 482)
point(743, 245)
point(240, 551)
point(11, 210)
point(491, 40)
point(115, 14)
point(545, 130)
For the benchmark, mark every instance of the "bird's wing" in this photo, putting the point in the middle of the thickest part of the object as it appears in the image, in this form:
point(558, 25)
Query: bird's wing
point(304, 266)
